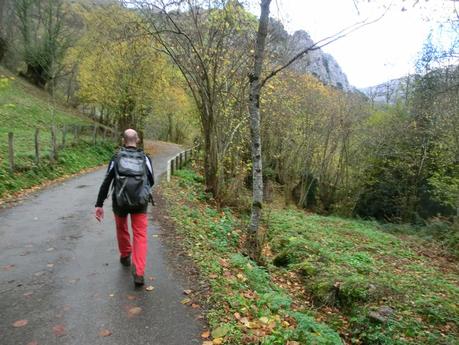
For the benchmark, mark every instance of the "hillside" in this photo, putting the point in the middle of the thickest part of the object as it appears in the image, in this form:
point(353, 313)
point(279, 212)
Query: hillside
point(23, 109)
point(318, 63)
point(327, 280)
point(390, 91)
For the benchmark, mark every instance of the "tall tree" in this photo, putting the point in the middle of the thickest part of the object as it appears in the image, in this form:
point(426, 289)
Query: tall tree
point(208, 41)
point(45, 38)
point(120, 69)
point(256, 85)
point(254, 109)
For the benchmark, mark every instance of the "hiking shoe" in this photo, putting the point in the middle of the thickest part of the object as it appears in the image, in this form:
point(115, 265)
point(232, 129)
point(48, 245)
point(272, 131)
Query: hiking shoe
point(138, 280)
point(125, 260)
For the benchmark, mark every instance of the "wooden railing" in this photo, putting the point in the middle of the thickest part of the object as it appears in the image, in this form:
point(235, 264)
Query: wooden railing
point(179, 160)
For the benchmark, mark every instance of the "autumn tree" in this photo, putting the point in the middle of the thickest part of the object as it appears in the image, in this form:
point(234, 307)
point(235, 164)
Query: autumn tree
point(120, 70)
point(44, 38)
point(257, 81)
point(209, 42)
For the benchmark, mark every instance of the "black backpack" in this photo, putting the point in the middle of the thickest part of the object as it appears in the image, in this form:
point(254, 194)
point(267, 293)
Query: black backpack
point(131, 186)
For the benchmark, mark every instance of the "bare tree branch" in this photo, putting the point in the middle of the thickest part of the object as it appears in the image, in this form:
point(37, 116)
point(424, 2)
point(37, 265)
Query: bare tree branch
point(322, 43)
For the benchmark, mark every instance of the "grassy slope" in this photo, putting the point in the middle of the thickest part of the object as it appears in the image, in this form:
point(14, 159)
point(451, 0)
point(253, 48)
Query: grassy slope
point(324, 278)
point(24, 108)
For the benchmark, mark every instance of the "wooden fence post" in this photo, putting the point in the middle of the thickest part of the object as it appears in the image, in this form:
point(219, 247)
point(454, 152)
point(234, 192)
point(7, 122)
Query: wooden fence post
point(177, 166)
point(172, 162)
point(37, 145)
point(64, 132)
point(168, 171)
point(11, 151)
point(95, 134)
point(53, 144)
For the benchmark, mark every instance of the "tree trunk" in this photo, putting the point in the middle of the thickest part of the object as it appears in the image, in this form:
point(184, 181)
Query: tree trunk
point(254, 109)
point(211, 158)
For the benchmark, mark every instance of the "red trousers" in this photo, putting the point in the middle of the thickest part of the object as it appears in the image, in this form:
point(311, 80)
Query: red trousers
point(138, 251)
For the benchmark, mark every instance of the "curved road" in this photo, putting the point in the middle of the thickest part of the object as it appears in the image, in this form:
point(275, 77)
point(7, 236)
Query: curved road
point(59, 270)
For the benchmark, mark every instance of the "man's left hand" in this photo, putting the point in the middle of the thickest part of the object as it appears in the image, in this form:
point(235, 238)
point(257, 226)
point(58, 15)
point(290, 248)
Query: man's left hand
point(99, 213)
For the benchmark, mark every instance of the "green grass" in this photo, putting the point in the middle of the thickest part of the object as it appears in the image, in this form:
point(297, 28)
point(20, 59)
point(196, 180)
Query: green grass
point(246, 307)
point(348, 269)
point(24, 108)
point(355, 267)
point(71, 160)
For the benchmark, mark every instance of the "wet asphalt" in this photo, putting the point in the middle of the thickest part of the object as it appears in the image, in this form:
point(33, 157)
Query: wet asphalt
point(60, 271)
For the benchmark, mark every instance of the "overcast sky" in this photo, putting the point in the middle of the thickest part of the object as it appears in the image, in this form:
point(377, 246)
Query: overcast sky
point(381, 51)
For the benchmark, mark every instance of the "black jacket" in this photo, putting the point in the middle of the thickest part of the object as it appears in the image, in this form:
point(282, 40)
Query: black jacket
point(110, 175)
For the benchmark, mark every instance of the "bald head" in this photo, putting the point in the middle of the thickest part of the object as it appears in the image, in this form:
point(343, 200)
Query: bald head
point(130, 137)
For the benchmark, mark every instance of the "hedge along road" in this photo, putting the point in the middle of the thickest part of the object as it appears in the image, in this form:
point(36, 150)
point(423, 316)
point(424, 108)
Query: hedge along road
point(61, 281)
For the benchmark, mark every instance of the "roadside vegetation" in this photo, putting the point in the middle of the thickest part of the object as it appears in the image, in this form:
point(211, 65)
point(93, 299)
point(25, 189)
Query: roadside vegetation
point(326, 280)
point(200, 72)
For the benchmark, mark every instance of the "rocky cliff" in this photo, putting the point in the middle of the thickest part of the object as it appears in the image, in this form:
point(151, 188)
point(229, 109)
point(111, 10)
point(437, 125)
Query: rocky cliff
point(318, 63)
point(390, 92)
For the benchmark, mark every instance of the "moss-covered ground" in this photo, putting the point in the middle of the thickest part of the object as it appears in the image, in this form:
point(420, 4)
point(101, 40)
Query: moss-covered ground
point(327, 280)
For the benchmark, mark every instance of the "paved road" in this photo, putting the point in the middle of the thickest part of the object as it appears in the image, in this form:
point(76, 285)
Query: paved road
point(59, 270)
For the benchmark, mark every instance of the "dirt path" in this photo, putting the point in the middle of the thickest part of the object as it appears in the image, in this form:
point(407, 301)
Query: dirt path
point(59, 271)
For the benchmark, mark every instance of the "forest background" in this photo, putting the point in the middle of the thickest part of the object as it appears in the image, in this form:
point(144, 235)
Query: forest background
point(178, 71)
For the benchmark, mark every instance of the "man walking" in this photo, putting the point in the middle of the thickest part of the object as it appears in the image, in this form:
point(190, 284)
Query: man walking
point(131, 172)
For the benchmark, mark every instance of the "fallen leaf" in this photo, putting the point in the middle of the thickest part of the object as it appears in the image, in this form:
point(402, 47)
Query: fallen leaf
point(244, 320)
point(131, 297)
point(224, 263)
point(252, 325)
point(185, 301)
point(237, 316)
point(217, 341)
point(20, 323)
point(240, 276)
point(187, 292)
point(50, 249)
point(150, 288)
point(205, 335)
point(37, 274)
point(264, 320)
point(134, 311)
point(105, 333)
point(195, 306)
point(28, 294)
point(50, 265)
point(220, 332)
point(59, 330)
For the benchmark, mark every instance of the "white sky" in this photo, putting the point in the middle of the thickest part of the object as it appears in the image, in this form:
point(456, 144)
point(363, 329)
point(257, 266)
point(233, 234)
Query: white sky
point(376, 53)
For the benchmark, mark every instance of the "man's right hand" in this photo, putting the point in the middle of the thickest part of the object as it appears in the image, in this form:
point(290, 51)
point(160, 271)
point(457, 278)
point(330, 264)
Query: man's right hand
point(99, 213)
